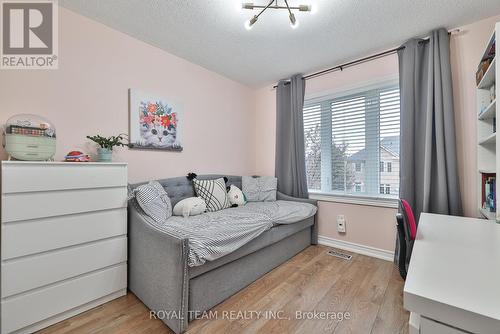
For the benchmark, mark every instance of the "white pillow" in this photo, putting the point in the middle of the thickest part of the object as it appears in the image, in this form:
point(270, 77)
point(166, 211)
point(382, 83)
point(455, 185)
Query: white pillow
point(236, 195)
point(213, 193)
point(191, 206)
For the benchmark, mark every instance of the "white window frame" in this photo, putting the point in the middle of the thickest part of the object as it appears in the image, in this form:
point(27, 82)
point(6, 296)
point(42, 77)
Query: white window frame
point(326, 135)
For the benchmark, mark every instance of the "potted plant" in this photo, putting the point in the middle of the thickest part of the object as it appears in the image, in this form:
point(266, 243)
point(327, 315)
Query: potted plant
point(106, 144)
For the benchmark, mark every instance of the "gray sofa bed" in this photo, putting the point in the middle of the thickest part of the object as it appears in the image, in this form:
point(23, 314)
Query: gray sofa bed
point(161, 278)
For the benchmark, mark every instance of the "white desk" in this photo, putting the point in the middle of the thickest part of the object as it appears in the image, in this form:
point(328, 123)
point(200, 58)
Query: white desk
point(453, 280)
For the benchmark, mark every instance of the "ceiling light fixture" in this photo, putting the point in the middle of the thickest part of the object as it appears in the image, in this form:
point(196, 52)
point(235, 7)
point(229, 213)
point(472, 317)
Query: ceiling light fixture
point(273, 4)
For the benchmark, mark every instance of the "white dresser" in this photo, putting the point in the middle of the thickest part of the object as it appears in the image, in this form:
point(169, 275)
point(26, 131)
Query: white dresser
point(453, 283)
point(63, 240)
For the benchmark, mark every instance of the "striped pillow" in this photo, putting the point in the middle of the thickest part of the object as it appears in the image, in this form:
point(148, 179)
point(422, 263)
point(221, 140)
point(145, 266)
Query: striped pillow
point(153, 200)
point(213, 192)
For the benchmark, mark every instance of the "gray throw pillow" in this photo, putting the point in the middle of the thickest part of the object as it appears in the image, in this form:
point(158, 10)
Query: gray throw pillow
point(259, 189)
point(153, 200)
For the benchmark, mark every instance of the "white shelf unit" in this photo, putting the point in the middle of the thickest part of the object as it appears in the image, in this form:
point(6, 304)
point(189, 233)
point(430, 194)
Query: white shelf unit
point(488, 152)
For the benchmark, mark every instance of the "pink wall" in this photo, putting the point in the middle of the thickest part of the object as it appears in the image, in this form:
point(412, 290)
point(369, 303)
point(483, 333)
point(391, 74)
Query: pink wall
point(466, 50)
point(366, 225)
point(88, 94)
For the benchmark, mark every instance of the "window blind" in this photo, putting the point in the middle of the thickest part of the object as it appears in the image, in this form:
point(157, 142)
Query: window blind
point(352, 143)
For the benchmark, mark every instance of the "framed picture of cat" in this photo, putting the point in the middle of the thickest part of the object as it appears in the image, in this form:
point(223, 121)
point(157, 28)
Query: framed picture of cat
point(155, 122)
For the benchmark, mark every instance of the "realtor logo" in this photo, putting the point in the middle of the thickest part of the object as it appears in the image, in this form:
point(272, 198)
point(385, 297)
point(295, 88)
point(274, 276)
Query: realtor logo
point(29, 34)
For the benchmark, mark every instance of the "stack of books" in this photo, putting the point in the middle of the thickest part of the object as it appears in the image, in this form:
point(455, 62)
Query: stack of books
point(489, 192)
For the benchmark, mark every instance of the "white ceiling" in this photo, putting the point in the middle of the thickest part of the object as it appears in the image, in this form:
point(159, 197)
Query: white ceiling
point(211, 33)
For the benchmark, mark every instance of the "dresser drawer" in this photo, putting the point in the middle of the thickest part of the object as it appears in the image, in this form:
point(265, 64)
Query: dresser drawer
point(40, 235)
point(32, 205)
point(26, 177)
point(32, 272)
point(24, 310)
point(429, 326)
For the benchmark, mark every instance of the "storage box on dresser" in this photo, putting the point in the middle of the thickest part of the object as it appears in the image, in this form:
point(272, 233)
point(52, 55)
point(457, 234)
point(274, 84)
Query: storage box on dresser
point(63, 240)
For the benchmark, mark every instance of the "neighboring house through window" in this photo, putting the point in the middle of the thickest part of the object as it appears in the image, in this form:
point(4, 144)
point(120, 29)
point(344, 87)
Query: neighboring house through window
point(350, 138)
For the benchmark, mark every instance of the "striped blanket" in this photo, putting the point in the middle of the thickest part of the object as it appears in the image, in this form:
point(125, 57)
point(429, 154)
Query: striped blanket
point(212, 235)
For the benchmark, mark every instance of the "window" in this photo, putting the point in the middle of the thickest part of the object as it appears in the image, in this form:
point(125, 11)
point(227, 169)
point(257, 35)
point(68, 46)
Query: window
point(385, 189)
point(349, 138)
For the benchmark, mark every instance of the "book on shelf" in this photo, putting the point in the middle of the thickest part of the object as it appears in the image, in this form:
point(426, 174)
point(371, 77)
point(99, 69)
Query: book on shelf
point(485, 63)
point(488, 191)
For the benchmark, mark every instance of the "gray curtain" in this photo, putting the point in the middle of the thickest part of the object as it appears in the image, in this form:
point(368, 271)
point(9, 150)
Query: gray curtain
point(290, 167)
point(428, 160)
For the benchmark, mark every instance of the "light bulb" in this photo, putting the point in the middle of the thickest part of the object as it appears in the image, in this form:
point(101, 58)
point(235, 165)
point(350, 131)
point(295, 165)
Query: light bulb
point(293, 21)
point(249, 24)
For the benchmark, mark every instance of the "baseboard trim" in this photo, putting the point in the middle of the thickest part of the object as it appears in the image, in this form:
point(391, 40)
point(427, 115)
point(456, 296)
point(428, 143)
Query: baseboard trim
point(357, 248)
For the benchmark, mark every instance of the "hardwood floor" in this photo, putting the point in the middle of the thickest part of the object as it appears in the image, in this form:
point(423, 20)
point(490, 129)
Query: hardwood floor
point(367, 290)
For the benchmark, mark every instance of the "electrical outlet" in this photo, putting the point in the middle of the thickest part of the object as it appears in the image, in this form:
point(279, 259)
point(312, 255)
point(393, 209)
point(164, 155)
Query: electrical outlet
point(341, 223)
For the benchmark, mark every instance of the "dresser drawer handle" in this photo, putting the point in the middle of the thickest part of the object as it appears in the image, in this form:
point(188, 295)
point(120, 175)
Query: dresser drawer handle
point(31, 153)
point(32, 146)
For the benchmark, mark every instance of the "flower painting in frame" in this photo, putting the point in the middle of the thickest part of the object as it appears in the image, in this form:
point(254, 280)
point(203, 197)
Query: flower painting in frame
point(154, 122)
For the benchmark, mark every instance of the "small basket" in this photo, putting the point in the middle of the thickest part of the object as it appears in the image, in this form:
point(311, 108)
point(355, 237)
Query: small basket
point(29, 137)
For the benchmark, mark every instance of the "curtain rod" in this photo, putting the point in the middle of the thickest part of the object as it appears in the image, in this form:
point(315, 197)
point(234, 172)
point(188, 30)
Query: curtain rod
point(360, 61)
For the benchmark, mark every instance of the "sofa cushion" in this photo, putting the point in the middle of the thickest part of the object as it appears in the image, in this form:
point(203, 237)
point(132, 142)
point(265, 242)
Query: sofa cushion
point(179, 188)
point(258, 189)
point(153, 200)
point(267, 238)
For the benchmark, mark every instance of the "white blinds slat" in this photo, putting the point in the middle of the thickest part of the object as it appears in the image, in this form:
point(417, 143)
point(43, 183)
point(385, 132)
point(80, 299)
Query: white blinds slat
point(359, 138)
